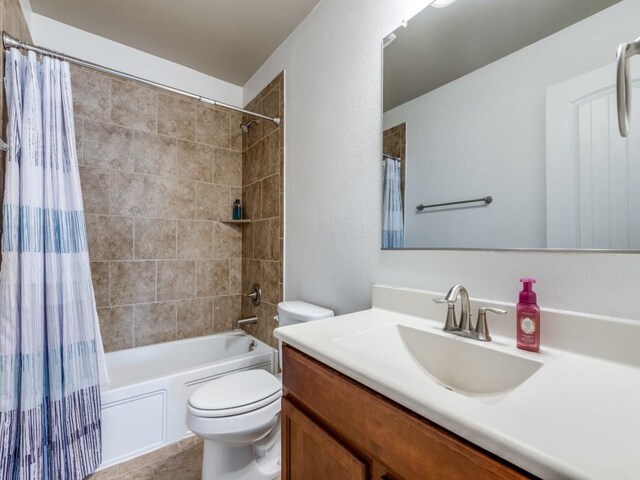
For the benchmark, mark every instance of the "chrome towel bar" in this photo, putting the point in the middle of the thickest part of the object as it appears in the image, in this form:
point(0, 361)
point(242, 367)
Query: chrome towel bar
point(486, 200)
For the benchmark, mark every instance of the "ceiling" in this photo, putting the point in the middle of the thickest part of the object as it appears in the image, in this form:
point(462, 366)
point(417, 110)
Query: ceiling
point(442, 44)
point(228, 39)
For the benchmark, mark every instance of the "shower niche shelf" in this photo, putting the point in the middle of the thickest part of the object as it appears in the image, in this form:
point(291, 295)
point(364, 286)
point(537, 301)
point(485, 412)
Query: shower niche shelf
point(244, 220)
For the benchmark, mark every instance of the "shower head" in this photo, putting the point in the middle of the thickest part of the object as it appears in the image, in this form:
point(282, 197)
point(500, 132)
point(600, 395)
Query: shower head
point(246, 126)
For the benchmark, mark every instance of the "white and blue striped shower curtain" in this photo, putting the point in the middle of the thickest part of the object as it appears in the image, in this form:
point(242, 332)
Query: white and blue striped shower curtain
point(51, 355)
point(392, 211)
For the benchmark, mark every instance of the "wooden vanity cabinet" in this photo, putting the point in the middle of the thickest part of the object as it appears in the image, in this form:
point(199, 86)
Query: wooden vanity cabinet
point(335, 428)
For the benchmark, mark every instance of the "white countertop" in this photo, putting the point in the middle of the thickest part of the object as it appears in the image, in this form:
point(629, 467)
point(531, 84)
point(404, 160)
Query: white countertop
point(575, 418)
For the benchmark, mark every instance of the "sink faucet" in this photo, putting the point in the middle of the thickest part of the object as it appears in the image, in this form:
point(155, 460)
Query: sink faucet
point(464, 327)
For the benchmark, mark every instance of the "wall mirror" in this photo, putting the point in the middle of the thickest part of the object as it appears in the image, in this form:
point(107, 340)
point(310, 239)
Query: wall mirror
point(510, 107)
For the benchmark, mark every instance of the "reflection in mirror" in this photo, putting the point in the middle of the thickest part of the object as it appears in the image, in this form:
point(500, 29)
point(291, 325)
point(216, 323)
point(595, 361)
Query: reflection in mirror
point(500, 127)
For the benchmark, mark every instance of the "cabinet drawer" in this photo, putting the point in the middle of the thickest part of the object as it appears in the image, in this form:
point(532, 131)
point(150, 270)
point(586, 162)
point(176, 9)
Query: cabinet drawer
point(374, 425)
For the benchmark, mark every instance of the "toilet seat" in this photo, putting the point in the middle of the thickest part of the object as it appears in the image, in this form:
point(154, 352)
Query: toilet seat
point(235, 394)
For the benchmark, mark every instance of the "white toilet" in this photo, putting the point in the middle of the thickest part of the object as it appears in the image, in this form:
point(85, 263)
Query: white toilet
point(238, 415)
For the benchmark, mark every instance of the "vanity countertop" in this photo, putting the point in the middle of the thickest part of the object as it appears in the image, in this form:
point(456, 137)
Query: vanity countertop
point(574, 418)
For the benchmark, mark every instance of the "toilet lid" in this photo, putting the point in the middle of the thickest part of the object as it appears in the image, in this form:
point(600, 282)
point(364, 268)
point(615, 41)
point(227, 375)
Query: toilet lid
point(236, 393)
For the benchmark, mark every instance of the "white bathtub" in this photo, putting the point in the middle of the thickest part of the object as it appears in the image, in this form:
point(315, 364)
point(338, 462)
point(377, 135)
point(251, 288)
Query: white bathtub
point(144, 406)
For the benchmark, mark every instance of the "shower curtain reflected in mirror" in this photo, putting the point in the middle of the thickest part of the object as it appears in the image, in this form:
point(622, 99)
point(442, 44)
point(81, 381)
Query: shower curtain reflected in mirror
point(51, 355)
point(392, 211)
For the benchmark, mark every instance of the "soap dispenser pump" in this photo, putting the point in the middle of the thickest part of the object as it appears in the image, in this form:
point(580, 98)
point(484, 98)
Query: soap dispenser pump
point(528, 329)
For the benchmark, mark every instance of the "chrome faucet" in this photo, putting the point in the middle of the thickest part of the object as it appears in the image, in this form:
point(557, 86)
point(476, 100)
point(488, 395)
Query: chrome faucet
point(464, 327)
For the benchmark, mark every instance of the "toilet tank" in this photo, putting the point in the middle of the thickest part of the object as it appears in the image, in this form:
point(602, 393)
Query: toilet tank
point(291, 313)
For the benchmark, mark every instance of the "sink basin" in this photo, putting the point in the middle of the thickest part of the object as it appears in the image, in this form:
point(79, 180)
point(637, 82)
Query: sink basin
point(460, 365)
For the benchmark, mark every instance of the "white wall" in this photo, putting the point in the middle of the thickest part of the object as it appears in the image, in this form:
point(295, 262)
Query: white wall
point(87, 46)
point(333, 181)
point(484, 134)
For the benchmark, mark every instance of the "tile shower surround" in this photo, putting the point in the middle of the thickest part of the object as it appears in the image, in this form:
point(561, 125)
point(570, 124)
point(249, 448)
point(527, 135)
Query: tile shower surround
point(158, 172)
point(263, 194)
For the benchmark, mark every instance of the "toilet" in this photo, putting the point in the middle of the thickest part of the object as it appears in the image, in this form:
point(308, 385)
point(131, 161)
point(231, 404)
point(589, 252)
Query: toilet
point(238, 415)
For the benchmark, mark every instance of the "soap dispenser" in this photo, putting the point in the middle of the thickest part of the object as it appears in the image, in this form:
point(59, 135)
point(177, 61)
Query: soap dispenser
point(528, 329)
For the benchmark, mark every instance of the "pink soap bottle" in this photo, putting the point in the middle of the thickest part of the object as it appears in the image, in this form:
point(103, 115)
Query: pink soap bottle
point(528, 335)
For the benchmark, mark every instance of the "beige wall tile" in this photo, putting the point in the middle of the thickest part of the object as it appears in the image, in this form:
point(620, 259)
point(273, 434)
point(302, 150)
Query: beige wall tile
point(247, 241)
point(228, 241)
point(95, 189)
point(176, 279)
point(176, 198)
point(195, 239)
point(270, 196)
point(100, 278)
point(176, 116)
point(206, 124)
point(107, 146)
point(236, 133)
point(91, 94)
point(226, 313)
point(133, 105)
point(133, 194)
point(251, 200)
point(271, 107)
point(235, 276)
point(270, 277)
point(194, 161)
point(195, 317)
point(116, 327)
point(205, 271)
point(155, 154)
point(212, 202)
point(261, 239)
point(132, 282)
point(274, 239)
point(154, 238)
point(227, 169)
point(110, 238)
point(221, 277)
point(252, 164)
point(212, 278)
point(222, 129)
point(154, 323)
point(270, 155)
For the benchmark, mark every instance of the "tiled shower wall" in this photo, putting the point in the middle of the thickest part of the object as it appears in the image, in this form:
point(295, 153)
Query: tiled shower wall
point(394, 143)
point(263, 194)
point(158, 173)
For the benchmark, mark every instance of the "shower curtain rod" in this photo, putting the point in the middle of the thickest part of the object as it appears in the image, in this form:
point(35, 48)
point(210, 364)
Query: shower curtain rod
point(10, 42)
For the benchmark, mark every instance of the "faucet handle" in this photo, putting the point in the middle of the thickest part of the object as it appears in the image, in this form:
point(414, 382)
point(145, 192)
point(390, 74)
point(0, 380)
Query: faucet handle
point(482, 327)
point(442, 300)
point(451, 324)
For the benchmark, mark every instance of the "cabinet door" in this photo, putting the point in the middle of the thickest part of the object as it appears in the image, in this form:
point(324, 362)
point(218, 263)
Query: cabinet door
point(310, 453)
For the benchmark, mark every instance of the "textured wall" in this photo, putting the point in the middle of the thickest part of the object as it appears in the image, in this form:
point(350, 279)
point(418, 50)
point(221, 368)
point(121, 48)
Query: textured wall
point(158, 171)
point(263, 194)
point(333, 65)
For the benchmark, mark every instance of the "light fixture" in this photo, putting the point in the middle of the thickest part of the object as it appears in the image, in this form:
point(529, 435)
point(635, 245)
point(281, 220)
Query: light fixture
point(442, 3)
point(388, 39)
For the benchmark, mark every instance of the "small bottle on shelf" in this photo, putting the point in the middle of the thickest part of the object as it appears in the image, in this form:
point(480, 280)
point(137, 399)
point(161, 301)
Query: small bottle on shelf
point(237, 210)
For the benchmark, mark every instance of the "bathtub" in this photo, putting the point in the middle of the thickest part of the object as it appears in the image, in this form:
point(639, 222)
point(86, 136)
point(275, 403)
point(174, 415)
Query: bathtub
point(144, 405)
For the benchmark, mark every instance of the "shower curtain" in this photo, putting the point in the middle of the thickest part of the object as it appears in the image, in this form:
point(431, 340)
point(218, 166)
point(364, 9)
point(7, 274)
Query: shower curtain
point(392, 211)
point(51, 354)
